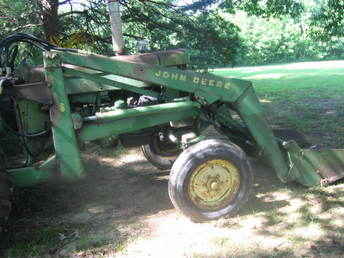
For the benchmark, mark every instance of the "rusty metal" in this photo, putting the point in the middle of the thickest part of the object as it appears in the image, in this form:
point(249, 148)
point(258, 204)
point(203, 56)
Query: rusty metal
point(38, 92)
point(163, 58)
point(328, 163)
point(214, 184)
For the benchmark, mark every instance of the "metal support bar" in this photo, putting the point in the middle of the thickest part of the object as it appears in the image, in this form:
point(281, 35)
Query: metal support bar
point(209, 87)
point(29, 176)
point(66, 145)
point(131, 120)
point(105, 81)
point(251, 113)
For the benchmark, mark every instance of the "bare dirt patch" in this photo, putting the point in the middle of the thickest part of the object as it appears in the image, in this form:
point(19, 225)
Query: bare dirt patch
point(122, 209)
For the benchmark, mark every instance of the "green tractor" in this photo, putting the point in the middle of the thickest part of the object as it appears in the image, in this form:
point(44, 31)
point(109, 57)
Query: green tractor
point(150, 100)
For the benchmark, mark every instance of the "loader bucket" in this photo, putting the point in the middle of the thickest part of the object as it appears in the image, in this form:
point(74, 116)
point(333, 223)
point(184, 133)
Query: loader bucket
point(312, 167)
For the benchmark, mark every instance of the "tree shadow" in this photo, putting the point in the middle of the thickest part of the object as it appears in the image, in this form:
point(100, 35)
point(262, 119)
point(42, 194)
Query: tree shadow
point(105, 210)
point(109, 195)
point(311, 218)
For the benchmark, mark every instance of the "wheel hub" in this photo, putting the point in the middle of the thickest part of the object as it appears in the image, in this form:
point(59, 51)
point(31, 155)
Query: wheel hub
point(214, 184)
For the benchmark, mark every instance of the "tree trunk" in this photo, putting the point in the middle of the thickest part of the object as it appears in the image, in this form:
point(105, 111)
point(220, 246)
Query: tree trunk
point(49, 16)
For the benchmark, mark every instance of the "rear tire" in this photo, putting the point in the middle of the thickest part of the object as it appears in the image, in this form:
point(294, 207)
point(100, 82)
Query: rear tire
point(209, 180)
point(160, 154)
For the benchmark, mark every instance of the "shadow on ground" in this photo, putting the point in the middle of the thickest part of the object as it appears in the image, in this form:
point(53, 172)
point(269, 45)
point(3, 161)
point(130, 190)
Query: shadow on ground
point(122, 208)
point(47, 217)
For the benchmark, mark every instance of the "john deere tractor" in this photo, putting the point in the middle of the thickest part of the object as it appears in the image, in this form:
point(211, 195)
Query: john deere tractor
point(151, 100)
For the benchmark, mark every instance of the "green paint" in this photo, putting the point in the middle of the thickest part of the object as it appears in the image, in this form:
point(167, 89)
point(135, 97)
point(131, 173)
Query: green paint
point(308, 167)
point(205, 86)
point(33, 119)
point(300, 168)
point(108, 82)
point(29, 176)
point(104, 73)
point(65, 142)
point(131, 120)
point(252, 114)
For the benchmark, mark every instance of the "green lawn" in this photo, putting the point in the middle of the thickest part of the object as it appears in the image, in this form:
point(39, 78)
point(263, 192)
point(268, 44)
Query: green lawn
point(306, 96)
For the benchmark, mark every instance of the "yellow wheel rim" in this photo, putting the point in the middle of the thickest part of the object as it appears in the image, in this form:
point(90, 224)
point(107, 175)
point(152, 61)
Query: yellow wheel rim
point(214, 184)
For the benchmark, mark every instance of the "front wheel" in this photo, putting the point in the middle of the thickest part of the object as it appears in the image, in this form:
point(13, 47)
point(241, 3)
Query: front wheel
point(209, 180)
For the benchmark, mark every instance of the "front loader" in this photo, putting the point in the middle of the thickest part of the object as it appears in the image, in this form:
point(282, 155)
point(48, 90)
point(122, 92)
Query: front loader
point(151, 100)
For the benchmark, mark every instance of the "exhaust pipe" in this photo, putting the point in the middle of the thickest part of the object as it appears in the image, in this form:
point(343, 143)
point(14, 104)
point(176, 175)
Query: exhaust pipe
point(116, 26)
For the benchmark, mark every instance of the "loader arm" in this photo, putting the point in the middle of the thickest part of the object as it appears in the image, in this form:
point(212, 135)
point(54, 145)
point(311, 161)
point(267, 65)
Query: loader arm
point(206, 88)
point(206, 92)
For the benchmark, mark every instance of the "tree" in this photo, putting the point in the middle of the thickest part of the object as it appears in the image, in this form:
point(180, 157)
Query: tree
point(48, 10)
point(265, 8)
point(18, 16)
point(165, 23)
point(328, 20)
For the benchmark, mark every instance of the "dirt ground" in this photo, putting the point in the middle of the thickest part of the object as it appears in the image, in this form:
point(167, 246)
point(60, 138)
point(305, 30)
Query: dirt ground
point(122, 209)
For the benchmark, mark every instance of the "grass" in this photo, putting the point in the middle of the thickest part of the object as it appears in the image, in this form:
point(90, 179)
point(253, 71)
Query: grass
point(45, 240)
point(305, 96)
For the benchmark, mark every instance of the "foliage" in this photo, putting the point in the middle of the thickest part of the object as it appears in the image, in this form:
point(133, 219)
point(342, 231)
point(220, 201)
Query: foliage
point(208, 35)
point(328, 20)
point(164, 25)
point(278, 31)
point(286, 39)
point(17, 16)
point(266, 8)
